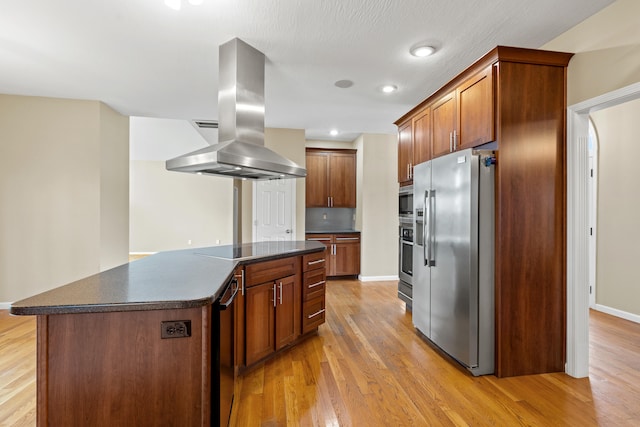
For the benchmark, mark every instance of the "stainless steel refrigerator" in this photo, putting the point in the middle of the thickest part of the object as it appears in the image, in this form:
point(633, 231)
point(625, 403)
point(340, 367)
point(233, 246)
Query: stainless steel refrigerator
point(453, 256)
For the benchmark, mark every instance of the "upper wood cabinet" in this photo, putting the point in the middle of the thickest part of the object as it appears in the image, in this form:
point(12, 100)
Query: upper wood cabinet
point(475, 110)
point(317, 180)
point(405, 152)
point(414, 144)
point(444, 124)
point(461, 118)
point(331, 178)
point(421, 137)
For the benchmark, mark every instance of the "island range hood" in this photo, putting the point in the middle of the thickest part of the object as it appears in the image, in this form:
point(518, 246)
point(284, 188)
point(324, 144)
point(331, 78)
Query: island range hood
point(240, 151)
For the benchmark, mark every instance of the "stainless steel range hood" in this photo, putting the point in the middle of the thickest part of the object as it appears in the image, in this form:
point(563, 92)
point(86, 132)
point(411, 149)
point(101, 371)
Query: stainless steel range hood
point(240, 151)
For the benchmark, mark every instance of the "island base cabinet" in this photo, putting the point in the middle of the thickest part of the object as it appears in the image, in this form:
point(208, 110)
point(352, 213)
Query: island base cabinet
point(108, 369)
point(272, 317)
point(260, 335)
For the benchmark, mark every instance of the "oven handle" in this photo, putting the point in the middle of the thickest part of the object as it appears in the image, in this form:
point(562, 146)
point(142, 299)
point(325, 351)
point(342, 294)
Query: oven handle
point(234, 286)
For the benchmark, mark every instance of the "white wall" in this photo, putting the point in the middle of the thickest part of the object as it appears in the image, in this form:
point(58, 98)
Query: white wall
point(617, 276)
point(377, 215)
point(114, 188)
point(607, 54)
point(607, 51)
point(170, 208)
point(61, 190)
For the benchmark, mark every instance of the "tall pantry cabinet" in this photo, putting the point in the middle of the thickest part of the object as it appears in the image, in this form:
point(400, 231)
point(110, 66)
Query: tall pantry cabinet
point(513, 101)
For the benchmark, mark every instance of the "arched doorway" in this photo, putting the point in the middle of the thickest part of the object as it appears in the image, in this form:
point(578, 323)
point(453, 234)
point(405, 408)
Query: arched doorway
point(578, 224)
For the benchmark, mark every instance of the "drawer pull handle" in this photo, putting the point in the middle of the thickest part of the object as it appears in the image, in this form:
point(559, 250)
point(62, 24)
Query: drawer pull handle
point(316, 284)
point(317, 313)
point(315, 262)
point(318, 239)
point(347, 238)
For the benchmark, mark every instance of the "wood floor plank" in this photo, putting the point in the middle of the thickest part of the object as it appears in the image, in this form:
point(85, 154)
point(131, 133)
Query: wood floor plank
point(368, 366)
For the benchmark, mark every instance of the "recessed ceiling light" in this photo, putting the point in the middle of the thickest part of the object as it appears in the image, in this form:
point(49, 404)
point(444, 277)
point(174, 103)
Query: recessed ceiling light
point(333, 132)
point(343, 84)
point(389, 88)
point(422, 50)
point(177, 4)
point(173, 4)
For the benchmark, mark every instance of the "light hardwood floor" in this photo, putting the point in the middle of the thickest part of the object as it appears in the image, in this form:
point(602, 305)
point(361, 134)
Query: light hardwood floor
point(368, 367)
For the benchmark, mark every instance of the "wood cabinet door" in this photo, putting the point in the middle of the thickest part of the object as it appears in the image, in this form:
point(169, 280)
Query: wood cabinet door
point(259, 325)
point(317, 180)
point(421, 137)
point(287, 322)
point(405, 153)
point(342, 180)
point(443, 123)
point(346, 259)
point(475, 105)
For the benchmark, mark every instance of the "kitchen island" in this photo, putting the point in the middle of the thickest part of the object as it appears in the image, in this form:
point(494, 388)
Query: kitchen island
point(141, 344)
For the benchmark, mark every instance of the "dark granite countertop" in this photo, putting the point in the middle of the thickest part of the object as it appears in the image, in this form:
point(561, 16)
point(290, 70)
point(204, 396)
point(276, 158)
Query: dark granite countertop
point(167, 280)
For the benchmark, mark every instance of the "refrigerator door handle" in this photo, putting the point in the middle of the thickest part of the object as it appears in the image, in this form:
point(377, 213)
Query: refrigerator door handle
point(429, 242)
point(426, 232)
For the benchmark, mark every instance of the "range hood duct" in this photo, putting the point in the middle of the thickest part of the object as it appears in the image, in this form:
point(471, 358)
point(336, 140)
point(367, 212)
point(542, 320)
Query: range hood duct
point(240, 151)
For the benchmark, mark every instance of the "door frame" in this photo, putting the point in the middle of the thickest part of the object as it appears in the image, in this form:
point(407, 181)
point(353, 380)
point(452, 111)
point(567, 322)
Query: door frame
point(578, 222)
point(593, 210)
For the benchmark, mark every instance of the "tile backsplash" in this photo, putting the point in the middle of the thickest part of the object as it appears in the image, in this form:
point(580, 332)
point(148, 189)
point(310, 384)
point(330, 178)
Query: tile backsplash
point(330, 219)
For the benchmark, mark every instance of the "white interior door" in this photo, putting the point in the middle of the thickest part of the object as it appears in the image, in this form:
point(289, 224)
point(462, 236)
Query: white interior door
point(273, 213)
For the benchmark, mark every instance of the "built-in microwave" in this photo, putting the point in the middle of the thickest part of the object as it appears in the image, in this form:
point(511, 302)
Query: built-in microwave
point(405, 202)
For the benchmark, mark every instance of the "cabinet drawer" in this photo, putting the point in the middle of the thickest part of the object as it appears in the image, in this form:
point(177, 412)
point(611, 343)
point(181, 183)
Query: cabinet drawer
point(314, 284)
point(347, 238)
point(313, 314)
point(314, 261)
point(267, 271)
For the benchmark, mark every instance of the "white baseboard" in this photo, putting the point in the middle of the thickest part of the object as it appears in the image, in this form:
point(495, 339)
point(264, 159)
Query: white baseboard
point(376, 278)
point(618, 313)
point(5, 305)
point(142, 253)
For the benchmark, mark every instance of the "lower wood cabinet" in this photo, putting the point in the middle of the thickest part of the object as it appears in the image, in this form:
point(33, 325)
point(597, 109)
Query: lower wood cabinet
point(282, 300)
point(272, 311)
point(313, 290)
point(343, 253)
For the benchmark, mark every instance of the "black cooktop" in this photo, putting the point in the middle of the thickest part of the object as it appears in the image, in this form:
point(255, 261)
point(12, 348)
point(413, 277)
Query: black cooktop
point(252, 250)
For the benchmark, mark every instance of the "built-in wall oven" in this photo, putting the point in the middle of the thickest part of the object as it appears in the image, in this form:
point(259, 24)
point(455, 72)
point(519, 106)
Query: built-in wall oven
point(405, 270)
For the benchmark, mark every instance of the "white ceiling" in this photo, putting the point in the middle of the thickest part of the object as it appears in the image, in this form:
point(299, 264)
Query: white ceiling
point(144, 59)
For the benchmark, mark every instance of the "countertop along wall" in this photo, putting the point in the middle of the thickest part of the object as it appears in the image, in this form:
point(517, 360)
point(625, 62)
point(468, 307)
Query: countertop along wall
point(63, 193)
point(607, 54)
